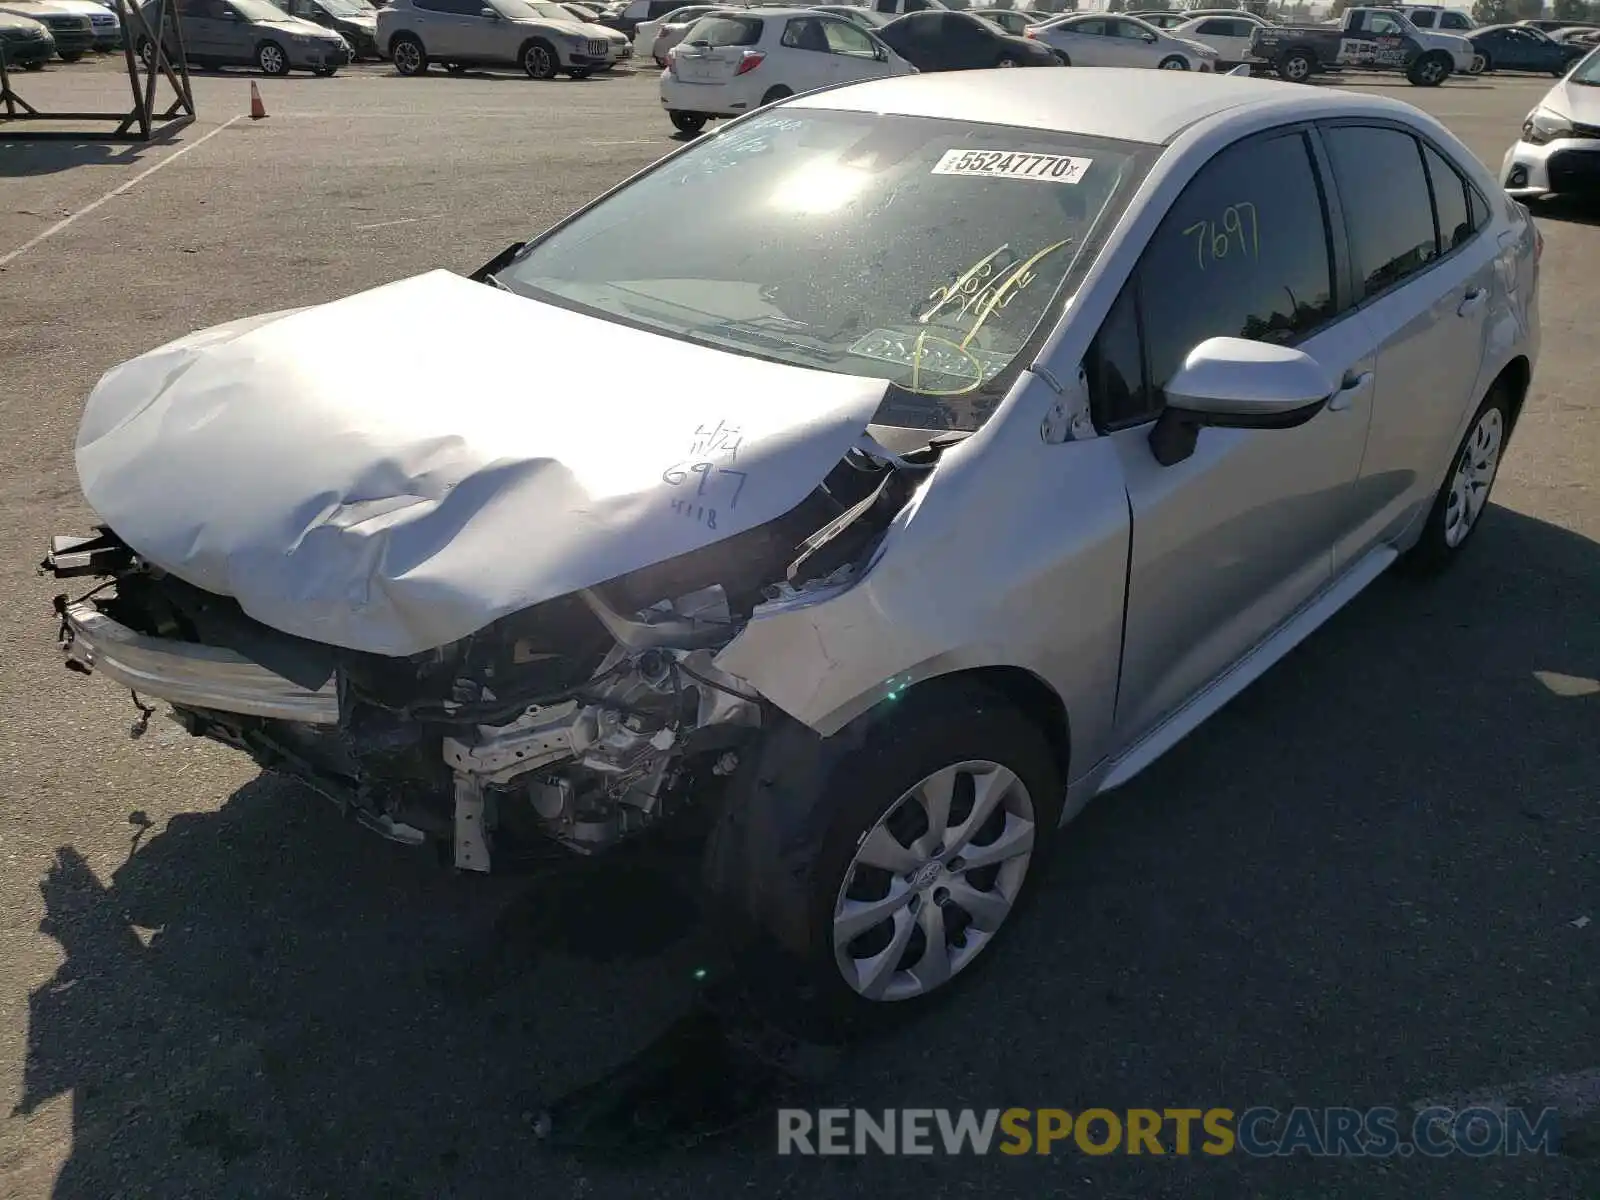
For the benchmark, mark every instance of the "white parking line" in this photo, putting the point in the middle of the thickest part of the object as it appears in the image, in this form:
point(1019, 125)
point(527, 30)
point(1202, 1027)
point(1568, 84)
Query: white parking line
point(398, 221)
point(112, 194)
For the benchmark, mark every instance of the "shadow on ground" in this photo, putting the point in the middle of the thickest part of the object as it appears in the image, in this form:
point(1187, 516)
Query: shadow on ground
point(20, 158)
point(1354, 886)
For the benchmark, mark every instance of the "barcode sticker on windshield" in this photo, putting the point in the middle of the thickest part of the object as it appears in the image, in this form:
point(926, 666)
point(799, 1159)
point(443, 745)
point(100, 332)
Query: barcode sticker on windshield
point(1013, 164)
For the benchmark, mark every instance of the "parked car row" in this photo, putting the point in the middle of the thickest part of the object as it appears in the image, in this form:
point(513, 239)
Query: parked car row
point(34, 31)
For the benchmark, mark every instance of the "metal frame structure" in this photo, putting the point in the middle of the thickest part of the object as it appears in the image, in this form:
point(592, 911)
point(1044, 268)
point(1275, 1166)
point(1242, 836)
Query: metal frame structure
point(142, 122)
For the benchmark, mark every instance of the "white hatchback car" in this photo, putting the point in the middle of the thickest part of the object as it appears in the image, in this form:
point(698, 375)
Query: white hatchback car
point(730, 65)
point(1104, 40)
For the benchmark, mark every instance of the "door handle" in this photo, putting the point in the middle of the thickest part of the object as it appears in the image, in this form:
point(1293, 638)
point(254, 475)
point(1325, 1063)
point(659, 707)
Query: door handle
point(1352, 383)
point(1472, 301)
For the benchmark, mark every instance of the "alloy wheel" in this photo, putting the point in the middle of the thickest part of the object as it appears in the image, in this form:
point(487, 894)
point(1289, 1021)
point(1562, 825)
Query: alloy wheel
point(271, 59)
point(932, 882)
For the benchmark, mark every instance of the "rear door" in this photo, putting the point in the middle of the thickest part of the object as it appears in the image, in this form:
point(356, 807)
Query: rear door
point(444, 29)
point(1430, 292)
point(1232, 541)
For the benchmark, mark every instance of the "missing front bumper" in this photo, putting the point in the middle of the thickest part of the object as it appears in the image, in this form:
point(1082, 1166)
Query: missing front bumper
point(187, 674)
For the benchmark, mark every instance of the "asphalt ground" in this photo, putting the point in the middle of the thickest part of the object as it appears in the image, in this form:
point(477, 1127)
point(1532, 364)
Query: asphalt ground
point(1363, 883)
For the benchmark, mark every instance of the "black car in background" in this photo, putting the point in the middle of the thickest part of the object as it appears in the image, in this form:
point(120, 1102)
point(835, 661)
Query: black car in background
point(1524, 48)
point(958, 41)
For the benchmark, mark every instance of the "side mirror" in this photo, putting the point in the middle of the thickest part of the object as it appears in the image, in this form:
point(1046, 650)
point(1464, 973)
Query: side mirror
point(1234, 383)
point(879, 53)
point(1150, 38)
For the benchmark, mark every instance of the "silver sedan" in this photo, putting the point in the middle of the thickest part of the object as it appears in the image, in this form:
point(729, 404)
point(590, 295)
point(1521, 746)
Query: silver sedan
point(958, 469)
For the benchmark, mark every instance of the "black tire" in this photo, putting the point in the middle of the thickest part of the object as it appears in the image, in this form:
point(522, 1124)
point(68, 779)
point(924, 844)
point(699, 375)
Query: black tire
point(1007, 61)
point(407, 55)
point(687, 122)
point(1488, 65)
point(1438, 547)
point(1430, 70)
point(774, 94)
point(540, 60)
point(272, 58)
point(1297, 66)
point(36, 65)
point(1066, 61)
point(869, 770)
point(324, 72)
point(145, 50)
point(71, 56)
point(1174, 62)
point(578, 73)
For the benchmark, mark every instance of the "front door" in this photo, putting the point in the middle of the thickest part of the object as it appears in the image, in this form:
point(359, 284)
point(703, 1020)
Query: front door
point(1428, 280)
point(1232, 541)
point(808, 61)
point(853, 52)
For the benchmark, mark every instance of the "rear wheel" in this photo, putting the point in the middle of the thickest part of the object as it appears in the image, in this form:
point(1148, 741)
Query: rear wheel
point(774, 94)
point(1488, 65)
point(1007, 61)
point(323, 72)
point(406, 52)
point(1429, 71)
point(1174, 62)
point(35, 65)
point(1296, 66)
point(71, 55)
point(1465, 492)
point(687, 122)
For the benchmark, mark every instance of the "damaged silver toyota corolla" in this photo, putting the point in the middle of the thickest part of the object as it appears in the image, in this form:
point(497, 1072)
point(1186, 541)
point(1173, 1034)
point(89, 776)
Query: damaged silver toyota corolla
point(875, 483)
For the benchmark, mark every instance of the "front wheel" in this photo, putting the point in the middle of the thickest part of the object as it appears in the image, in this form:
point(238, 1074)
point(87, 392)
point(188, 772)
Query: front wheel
point(928, 849)
point(407, 55)
point(687, 122)
point(1465, 492)
point(272, 60)
point(1428, 71)
point(1007, 62)
point(1296, 66)
point(71, 56)
point(1174, 62)
point(539, 60)
point(35, 65)
point(1480, 64)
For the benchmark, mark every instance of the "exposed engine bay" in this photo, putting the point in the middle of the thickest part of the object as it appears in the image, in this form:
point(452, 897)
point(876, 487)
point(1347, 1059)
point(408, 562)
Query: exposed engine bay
point(582, 720)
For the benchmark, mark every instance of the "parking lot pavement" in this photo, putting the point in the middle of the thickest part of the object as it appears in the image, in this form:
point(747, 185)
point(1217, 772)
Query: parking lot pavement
point(1363, 883)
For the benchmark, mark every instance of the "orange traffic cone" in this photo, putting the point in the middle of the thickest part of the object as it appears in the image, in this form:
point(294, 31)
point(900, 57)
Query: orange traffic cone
point(257, 109)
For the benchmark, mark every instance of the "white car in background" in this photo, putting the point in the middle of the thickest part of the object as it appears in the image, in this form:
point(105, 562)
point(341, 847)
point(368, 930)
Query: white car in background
point(1558, 151)
point(731, 65)
point(1108, 40)
point(673, 29)
point(646, 32)
point(1228, 35)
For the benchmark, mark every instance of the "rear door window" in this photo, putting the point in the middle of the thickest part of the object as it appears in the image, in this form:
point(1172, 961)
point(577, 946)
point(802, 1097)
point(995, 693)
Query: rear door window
point(1452, 211)
point(1387, 208)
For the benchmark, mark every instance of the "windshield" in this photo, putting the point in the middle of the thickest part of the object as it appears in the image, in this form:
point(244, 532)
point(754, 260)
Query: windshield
point(1587, 72)
point(921, 251)
point(347, 8)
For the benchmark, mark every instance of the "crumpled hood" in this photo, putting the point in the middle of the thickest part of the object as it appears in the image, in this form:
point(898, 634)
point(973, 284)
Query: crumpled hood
point(393, 471)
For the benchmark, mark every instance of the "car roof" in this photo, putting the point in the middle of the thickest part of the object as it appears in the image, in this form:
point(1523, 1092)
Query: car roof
point(1124, 103)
